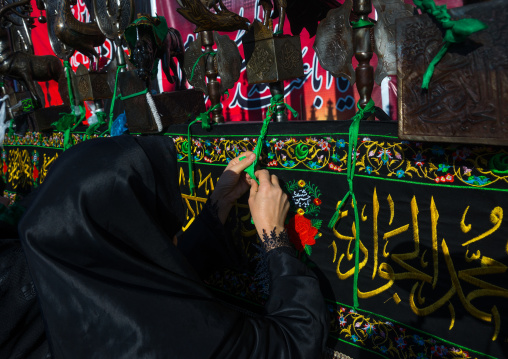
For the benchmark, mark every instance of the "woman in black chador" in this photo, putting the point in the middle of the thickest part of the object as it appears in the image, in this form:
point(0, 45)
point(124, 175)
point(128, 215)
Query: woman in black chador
point(99, 239)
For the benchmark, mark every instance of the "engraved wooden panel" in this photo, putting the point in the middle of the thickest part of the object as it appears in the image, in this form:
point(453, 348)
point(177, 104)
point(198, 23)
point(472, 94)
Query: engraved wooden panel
point(468, 92)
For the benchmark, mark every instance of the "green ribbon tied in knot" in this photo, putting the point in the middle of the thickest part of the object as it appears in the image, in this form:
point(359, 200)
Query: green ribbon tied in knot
point(351, 163)
point(456, 32)
point(275, 102)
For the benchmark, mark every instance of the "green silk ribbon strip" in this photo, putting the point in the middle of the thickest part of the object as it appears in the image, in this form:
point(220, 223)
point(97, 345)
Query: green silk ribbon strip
point(101, 120)
point(68, 70)
point(361, 23)
point(65, 125)
point(211, 53)
point(351, 164)
point(111, 109)
point(275, 101)
point(204, 118)
point(66, 121)
point(456, 32)
point(134, 95)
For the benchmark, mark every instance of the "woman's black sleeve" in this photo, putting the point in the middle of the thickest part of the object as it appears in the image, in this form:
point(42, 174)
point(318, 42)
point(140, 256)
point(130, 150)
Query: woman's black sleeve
point(206, 245)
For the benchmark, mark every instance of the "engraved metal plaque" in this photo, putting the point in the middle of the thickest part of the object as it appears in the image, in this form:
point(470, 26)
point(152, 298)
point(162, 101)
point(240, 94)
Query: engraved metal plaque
point(194, 66)
point(384, 35)
point(334, 42)
point(468, 93)
point(173, 107)
point(92, 85)
point(229, 61)
point(113, 17)
point(271, 58)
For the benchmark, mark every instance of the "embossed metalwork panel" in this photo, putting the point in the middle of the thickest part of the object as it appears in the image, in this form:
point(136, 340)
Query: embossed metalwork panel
point(229, 61)
point(271, 58)
point(334, 42)
point(173, 107)
point(195, 73)
point(92, 85)
point(113, 16)
point(384, 35)
point(468, 92)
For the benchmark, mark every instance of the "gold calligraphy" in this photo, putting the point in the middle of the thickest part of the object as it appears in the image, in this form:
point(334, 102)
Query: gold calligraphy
point(21, 170)
point(391, 266)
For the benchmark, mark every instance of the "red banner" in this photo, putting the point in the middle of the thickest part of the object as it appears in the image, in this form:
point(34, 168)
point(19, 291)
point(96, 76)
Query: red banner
point(316, 96)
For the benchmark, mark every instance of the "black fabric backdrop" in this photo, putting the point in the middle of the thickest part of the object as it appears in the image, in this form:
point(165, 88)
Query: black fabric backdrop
point(433, 253)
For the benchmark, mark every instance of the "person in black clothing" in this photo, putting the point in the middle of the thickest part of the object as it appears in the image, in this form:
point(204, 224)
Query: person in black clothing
point(99, 239)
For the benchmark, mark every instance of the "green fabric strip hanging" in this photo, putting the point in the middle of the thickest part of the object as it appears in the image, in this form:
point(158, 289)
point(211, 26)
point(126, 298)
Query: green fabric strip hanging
point(351, 163)
point(275, 101)
point(361, 23)
point(211, 53)
point(113, 100)
point(204, 118)
point(456, 32)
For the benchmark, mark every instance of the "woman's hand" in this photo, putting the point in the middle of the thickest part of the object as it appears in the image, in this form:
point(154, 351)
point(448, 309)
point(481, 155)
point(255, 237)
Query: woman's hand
point(268, 204)
point(232, 184)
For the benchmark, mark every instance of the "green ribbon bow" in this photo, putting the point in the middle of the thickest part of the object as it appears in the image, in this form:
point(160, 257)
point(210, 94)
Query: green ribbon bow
point(456, 31)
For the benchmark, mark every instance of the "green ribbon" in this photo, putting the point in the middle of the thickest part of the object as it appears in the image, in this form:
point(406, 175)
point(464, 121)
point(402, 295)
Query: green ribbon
point(456, 32)
point(68, 70)
point(143, 92)
point(65, 125)
point(351, 163)
point(112, 107)
point(275, 101)
point(204, 118)
point(101, 120)
point(361, 23)
point(211, 53)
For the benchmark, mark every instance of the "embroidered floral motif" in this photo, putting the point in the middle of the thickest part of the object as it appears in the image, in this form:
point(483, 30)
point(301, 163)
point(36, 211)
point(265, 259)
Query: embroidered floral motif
point(35, 172)
point(384, 337)
point(418, 162)
point(305, 202)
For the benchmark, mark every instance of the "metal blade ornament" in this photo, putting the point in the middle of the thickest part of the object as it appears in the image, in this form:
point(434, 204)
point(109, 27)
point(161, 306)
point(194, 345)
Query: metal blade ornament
point(229, 61)
point(113, 17)
point(60, 49)
point(194, 69)
point(334, 42)
point(384, 35)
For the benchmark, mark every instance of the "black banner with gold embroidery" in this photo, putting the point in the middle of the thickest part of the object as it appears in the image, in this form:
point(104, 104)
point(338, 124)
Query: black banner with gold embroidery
point(433, 239)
